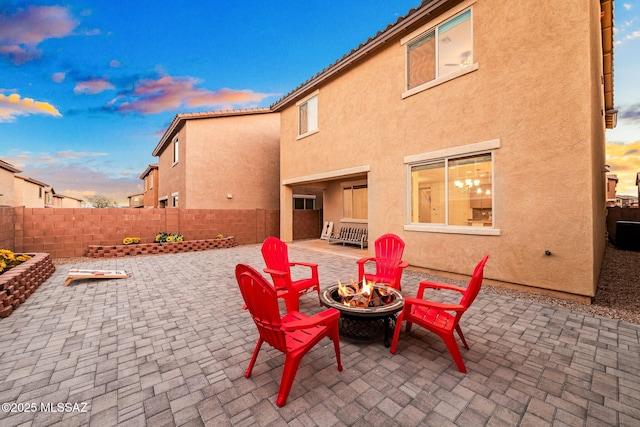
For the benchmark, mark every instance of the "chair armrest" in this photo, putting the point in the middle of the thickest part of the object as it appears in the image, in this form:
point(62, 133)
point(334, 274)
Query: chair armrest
point(364, 260)
point(433, 285)
point(408, 302)
point(313, 267)
point(403, 264)
point(276, 273)
point(322, 318)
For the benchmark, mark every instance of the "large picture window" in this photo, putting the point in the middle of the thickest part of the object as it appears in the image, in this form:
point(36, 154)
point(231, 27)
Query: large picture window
point(308, 116)
point(442, 50)
point(455, 191)
point(355, 202)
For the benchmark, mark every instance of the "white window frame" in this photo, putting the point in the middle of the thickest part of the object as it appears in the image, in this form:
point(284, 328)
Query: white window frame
point(174, 199)
point(451, 153)
point(304, 197)
point(310, 130)
point(174, 147)
point(433, 26)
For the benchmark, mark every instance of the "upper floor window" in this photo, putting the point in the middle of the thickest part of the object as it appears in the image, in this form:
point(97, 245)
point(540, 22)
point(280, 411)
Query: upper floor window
point(442, 50)
point(150, 179)
point(175, 151)
point(308, 116)
point(174, 200)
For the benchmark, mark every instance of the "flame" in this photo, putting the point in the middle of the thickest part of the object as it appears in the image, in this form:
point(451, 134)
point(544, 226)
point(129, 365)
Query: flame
point(367, 288)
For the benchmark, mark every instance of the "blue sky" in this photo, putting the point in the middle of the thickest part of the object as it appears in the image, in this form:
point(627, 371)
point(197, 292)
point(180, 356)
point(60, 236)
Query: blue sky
point(87, 88)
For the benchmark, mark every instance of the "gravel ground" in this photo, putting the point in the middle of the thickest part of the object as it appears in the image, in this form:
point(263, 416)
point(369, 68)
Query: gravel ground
point(617, 294)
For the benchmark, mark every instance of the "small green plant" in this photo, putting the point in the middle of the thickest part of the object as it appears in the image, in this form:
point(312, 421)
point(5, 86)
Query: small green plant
point(219, 236)
point(164, 237)
point(8, 259)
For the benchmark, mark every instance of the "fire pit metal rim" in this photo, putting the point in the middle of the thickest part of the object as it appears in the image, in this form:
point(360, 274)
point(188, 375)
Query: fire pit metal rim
point(383, 311)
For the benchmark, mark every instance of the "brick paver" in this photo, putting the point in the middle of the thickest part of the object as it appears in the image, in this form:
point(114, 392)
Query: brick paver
point(170, 344)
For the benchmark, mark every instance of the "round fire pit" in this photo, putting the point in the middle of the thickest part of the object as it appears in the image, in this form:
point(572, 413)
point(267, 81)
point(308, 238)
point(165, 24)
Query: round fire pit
point(365, 322)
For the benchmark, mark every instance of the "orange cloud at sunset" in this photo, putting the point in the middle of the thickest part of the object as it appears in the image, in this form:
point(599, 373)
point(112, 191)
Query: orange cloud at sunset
point(624, 160)
point(12, 106)
point(92, 86)
point(172, 93)
point(22, 32)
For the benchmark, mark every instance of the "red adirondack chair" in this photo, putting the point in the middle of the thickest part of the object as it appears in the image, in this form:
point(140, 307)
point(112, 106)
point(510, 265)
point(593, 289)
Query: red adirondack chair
point(294, 334)
point(441, 319)
point(388, 261)
point(276, 256)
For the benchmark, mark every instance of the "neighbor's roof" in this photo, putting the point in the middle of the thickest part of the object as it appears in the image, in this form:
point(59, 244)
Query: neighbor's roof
point(148, 169)
point(180, 119)
point(31, 180)
point(9, 167)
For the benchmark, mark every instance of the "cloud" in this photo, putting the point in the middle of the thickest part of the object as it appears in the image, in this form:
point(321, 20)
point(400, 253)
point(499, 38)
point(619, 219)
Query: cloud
point(114, 63)
point(69, 154)
point(151, 96)
point(58, 77)
point(92, 86)
point(630, 113)
point(13, 106)
point(627, 6)
point(22, 32)
point(624, 160)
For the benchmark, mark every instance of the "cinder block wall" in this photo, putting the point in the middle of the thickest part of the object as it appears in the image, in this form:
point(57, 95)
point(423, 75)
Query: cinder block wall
point(7, 227)
point(67, 232)
point(307, 224)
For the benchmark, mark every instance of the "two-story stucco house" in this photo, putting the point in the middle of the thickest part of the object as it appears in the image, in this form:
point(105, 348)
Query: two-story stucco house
point(150, 179)
point(220, 160)
point(451, 128)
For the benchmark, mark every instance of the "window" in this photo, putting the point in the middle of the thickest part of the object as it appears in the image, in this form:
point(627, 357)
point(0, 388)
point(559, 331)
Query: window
point(40, 192)
point(453, 191)
point(150, 177)
point(175, 151)
point(303, 202)
point(355, 201)
point(442, 50)
point(174, 200)
point(308, 116)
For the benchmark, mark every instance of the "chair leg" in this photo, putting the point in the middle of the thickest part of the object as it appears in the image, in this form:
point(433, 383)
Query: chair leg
point(464, 342)
point(334, 335)
point(291, 364)
point(454, 350)
point(247, 374)
point(396, 333)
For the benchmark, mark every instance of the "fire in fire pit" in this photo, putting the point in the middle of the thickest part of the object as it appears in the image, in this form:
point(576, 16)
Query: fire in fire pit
point(366, 309)
point(363, 294)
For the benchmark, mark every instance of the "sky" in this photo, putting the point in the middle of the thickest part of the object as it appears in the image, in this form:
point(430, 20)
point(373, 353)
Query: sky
point(88, 87)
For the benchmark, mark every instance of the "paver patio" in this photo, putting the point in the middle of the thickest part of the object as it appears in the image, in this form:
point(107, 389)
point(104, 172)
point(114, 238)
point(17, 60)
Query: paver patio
point(170, 344)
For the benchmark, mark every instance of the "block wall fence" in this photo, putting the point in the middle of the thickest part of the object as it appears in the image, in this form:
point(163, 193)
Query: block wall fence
point(63, 232)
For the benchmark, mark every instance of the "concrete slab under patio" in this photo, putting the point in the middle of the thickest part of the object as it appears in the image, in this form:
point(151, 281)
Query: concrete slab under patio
point(170, 344)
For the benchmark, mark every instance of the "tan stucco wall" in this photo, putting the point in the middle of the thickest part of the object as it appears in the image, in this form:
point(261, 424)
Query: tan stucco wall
point(236, 155)
point(536, 90)
point(171, 177)
point(27, 194)
point(6, 187)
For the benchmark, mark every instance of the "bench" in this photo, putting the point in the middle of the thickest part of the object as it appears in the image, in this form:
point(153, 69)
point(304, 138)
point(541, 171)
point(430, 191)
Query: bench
point(350, 235)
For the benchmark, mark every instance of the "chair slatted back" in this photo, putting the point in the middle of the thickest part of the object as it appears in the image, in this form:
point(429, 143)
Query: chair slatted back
point(389, 249)
point(261, 301)
point(474, 284)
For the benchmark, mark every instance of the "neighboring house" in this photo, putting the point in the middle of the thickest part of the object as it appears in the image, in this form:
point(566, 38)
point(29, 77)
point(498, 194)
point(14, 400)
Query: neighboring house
point(150, 178)
point(7, 186)
point(69, 202)
point(136, 201)
point(612, 182)
point(638, 184)
point(625, 201)
point(29, 192)
point(220, 160)
point(451, 127)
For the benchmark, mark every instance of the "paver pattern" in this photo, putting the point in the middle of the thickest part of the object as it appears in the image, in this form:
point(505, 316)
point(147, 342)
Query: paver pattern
point(169, 346)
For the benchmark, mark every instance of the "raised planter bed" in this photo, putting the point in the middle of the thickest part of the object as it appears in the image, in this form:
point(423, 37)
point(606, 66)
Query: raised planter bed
point(96, 251)
point(18, 283)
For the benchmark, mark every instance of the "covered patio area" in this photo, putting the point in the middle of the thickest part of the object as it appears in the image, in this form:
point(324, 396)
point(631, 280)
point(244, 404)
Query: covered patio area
point(170, 344)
